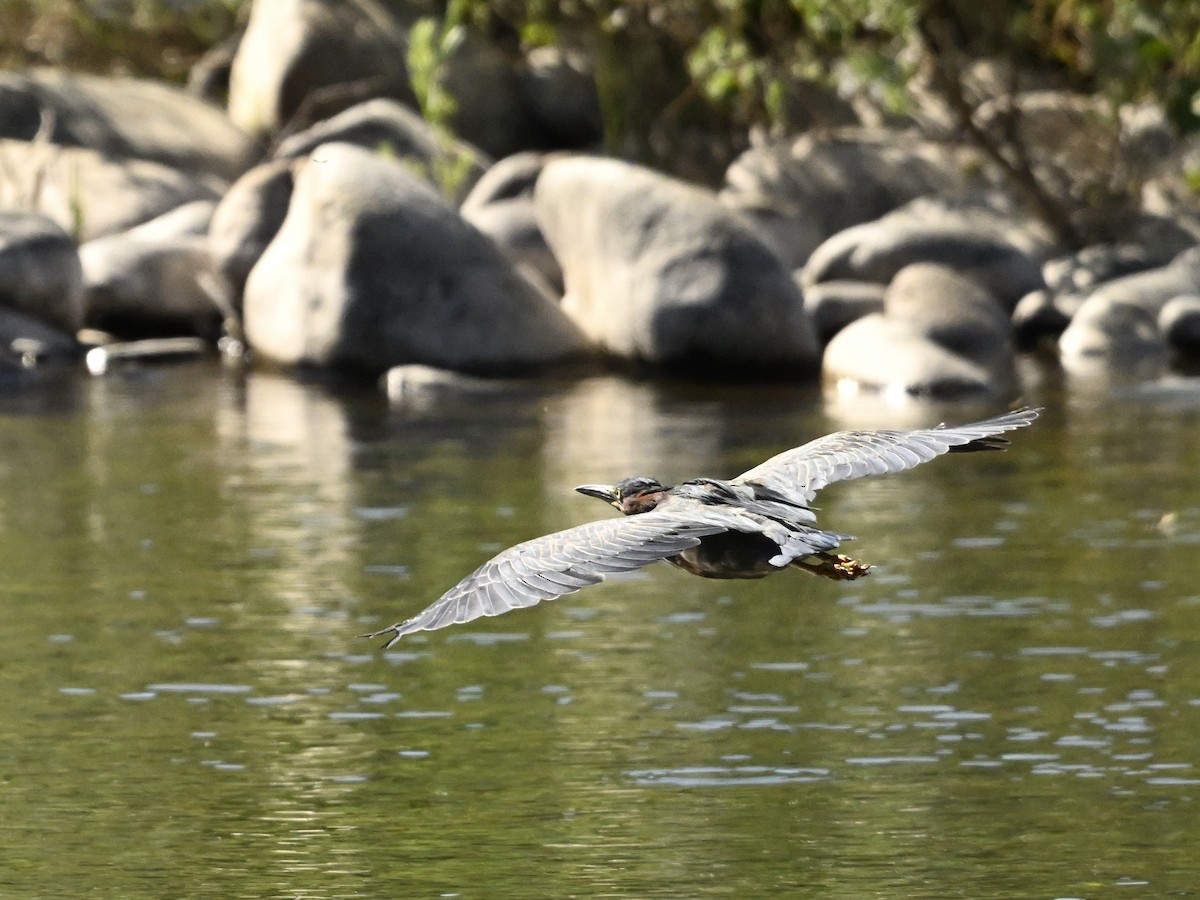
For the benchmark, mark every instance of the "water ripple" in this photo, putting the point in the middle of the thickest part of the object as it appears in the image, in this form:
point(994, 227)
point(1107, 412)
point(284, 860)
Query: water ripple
point(189, 687)
point(725, 776)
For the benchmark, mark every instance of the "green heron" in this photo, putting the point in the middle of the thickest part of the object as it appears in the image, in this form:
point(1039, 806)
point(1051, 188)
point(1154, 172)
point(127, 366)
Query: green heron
point(747, 527)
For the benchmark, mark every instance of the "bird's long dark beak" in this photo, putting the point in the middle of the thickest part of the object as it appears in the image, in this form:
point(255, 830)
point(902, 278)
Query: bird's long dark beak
point(599, 491)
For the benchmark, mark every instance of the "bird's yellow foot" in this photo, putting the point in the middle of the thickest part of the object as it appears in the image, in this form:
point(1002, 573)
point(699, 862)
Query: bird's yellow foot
point(849, 568)
point(835, 566)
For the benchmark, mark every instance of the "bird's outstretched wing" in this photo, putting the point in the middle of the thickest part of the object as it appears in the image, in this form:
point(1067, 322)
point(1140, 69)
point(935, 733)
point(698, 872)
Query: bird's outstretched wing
point(557, 564)
point(843, 455)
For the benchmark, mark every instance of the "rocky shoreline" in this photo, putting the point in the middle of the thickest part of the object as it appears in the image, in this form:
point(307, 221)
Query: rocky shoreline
point(881, 258)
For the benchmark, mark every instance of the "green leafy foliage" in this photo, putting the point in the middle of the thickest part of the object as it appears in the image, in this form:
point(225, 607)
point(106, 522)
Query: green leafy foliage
point(153, 38)
point(739, 54)
point(429, 44)
point(675, 74)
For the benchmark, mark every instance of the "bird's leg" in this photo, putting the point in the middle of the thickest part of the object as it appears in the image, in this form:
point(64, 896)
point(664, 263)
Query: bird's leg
point(835, 566)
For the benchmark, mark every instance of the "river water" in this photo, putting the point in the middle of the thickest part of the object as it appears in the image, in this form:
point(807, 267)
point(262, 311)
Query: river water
point(1008, 707)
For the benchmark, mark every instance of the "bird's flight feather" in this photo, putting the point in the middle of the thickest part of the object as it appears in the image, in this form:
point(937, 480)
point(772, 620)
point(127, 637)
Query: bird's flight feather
point(558, 564)
point(801, 472)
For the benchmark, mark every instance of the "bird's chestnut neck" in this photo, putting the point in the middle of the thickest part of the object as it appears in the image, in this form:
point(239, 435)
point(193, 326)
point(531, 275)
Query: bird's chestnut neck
point(641, 502)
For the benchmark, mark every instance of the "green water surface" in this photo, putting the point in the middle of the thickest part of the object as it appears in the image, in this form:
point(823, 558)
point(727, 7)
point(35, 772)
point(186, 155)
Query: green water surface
point(1008, 707)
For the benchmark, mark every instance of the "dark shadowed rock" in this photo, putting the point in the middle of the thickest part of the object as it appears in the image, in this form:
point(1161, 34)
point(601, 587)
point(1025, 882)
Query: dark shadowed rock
point(150, 280)
point(27, 341)
point(208, 76)
point(40, 275)
point(489, 110)
point(659, 271)
point(970, 242)
point(506, 101)
point(1038, 316)
point(373, 269)
point(1179, 322)
point(511, 178)
point(792, 237)
point(501, 206)
point(312, 58)
point(512, 226)
point(939, 335)
point(952, 311)
point(559, 93)
point(139, 288)
point(124, 118)
point(246, 221)
point(832, 305)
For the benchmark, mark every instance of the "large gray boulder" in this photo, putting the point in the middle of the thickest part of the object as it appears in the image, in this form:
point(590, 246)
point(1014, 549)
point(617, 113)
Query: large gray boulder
point(373, 269)
point(973, 241)
point(40, 275)
point(1108, 336)
point(805, 190)
point(1151, 288)
point(1148, 242)
point(385, 125)
point(124, 118)
point(88, 194)
point(247, 219)
point(832, 305)
point(939, 335)
point(1117, 325)
point(314, 58)
point(659, 271)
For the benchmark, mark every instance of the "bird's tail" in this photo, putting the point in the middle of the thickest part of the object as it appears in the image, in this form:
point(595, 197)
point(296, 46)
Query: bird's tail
point(1018, 418)
point(988, 443)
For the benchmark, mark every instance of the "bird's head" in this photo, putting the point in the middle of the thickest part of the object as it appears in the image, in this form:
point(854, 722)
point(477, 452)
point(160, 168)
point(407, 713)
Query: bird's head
point(631, 496)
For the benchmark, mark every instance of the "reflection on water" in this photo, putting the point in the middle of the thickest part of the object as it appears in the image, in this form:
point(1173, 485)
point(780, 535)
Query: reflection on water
point(605, 429)
point(1007, 707)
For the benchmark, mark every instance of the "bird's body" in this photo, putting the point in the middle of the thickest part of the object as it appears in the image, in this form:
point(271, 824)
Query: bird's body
point(747, 527)
point(762, 526)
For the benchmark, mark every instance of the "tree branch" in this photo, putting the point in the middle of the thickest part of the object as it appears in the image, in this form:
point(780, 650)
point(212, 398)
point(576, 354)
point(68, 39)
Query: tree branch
point(936, 32)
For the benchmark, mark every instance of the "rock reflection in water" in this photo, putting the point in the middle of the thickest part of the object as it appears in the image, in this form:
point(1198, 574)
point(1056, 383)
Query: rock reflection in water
point(606, 429)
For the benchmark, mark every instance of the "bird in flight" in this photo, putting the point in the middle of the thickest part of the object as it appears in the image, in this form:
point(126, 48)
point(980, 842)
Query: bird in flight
point(748, 527)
